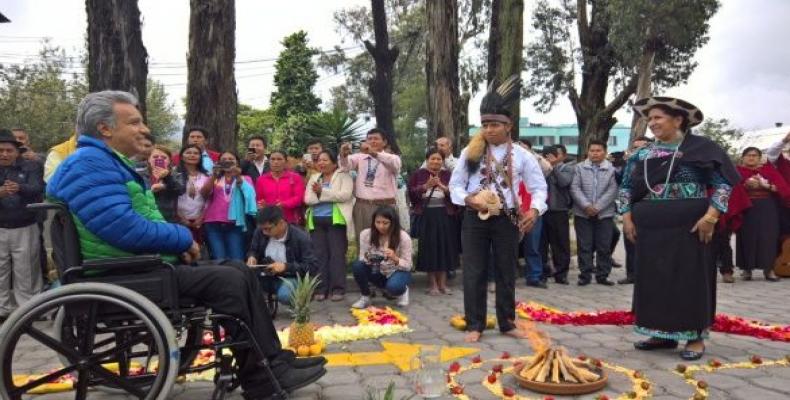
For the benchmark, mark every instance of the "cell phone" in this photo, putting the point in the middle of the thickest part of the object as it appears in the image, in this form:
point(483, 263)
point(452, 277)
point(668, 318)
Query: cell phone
point(159, 162)
point(225, 165)
point(262, 269)
point(250, 149)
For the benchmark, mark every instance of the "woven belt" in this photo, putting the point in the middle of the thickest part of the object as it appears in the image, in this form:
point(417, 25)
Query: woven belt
point(377, 202)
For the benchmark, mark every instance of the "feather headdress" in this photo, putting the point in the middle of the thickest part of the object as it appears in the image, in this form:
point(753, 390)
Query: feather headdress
point(495, 106)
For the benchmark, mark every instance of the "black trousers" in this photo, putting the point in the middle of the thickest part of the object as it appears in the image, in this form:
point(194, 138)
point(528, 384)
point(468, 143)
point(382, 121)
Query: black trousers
point(722, 250)
point(557, 234)
point(330, 243)
point(479, 238)
point(594, 238)
point(232, 289)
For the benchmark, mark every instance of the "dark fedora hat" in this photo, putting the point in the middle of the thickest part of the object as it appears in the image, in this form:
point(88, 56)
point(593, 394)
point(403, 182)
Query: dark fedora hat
point(7, 137)
point(692, 113)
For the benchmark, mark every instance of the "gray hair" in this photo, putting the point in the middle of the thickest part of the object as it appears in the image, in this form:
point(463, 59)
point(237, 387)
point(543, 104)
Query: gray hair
point(97, 108)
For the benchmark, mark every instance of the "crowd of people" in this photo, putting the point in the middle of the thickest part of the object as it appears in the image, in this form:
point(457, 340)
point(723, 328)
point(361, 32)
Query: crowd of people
point(290, 216)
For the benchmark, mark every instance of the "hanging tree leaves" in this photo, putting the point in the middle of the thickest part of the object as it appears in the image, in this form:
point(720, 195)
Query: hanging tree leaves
point(588, 51)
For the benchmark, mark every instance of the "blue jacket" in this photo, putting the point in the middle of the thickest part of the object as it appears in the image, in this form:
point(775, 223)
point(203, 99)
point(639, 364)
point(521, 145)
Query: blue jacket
point(116, 215)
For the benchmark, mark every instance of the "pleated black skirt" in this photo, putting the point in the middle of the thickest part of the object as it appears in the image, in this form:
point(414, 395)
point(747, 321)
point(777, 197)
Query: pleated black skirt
point(438, 247)
point(757, 242)
point(675, 277)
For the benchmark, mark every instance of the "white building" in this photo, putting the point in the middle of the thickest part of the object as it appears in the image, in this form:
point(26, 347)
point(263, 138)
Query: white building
point(763, 138)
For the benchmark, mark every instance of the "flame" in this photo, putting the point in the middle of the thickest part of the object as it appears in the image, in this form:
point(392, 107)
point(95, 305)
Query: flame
point(538, 339)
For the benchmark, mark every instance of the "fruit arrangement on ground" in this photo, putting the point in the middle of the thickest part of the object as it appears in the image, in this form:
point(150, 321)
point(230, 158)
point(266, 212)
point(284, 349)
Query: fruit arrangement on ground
point(301, 332)
point(458, 321)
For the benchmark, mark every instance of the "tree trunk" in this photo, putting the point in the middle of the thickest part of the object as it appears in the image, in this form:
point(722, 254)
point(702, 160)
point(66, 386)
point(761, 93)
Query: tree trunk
point(117, 59)
point(643, 89)
point(493, 42)
point(463, 121)
point(442, 69)
point(211, 87)
point(506, 46)
point(381, 86)
point(593, 114)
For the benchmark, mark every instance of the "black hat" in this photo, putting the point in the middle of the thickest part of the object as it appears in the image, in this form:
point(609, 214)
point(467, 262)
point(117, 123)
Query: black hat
point(498, 100)
point(7, 137)
point(693, 114)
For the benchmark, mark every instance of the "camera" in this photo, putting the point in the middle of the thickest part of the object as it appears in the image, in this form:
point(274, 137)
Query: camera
point(225, 165)
point(376, 258)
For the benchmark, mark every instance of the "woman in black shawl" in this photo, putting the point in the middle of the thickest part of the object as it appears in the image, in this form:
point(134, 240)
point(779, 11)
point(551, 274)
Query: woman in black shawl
point(672, 194)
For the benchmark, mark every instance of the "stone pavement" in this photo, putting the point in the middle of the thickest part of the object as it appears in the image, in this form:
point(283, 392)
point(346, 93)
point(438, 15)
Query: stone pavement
point(429, 319)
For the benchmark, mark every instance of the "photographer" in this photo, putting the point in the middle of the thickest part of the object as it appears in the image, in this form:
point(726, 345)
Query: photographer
point(281, 250)
point(384, 258)
point(230, 199)
point(167, 184)
point(255, 162)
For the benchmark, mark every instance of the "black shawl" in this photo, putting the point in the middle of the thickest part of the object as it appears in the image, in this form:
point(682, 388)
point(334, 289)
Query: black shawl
point(695, 152)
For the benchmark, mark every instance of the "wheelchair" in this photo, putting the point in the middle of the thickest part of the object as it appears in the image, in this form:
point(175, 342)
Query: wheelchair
point(120, 327)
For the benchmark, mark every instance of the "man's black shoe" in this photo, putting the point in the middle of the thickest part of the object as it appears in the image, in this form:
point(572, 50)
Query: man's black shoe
point(604, 282)
point(538, 284)
point(302, 362)
point(561, 281)
point(626, 281)
point(583, 282)
point(289, 379)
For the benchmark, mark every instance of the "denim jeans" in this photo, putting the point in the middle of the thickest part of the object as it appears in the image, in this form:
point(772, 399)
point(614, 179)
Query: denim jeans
point(225, 240)
point(395, 285)
point(530, 244)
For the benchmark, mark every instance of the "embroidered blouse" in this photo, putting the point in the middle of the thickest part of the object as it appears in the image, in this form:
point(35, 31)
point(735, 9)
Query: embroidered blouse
point(688, 182)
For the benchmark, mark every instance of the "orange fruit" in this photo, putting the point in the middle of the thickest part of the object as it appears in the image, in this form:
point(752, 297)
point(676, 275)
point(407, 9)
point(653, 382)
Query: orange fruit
point(315, 349)
point(303, 351)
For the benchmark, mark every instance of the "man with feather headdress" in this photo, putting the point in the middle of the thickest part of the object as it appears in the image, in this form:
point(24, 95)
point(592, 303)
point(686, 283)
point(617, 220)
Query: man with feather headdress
point(504, 191)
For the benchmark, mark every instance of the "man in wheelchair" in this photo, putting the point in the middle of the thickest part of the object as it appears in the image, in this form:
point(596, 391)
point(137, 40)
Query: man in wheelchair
point(116, 216)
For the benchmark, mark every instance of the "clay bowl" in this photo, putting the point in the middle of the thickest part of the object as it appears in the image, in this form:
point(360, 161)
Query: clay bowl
point(568, 388)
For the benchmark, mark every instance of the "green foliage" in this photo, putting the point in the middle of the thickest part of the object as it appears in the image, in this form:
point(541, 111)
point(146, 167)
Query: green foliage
point(39, 97)
point(333, 128)
point(389, 393)
point(290, 135)
point(255, 122)
point(42, 98)
point(720, 131)
point(295, 79)
point(674, 29)
point(161, 116)
point(407, 29)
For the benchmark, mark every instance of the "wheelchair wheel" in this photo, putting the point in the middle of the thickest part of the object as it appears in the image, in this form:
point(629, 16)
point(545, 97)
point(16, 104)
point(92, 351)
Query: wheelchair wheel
point(63, 328)
point(104, 328)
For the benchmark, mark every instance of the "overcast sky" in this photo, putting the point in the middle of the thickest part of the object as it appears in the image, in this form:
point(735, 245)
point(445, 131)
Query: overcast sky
point(743, 72)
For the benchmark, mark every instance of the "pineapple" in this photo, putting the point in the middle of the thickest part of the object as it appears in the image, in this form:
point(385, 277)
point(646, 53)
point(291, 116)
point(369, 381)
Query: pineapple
point(301, 332)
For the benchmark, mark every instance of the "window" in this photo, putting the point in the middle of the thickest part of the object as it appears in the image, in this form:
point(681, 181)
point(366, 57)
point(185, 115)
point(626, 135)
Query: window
point(612, 140)
point(569, 140)
point(546, 140)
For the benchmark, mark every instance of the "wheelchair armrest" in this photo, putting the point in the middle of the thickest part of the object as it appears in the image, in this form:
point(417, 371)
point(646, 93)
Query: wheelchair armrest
point(129, 264)
point(46, 207)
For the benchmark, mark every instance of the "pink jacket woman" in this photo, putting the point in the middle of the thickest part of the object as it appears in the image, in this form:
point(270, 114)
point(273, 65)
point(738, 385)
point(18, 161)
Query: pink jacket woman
point(287, 191)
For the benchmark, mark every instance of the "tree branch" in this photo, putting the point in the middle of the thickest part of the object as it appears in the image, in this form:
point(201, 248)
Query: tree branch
point(621, 98)
point(584, 24)
point(573, 95)
point(371, 48)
